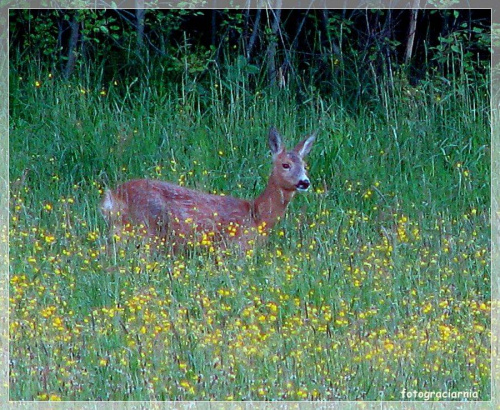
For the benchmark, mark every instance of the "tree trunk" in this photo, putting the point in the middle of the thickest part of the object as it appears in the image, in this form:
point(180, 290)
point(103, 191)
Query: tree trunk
point(411, 32)
point(140, 13)
point(255, 31)
point(73, 41)
point(273, 44)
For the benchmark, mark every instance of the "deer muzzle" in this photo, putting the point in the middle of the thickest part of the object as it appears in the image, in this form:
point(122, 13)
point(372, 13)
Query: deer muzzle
point(303, 185)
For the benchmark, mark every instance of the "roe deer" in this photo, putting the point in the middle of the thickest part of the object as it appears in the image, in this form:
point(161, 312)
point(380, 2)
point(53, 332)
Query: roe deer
point(181, 216)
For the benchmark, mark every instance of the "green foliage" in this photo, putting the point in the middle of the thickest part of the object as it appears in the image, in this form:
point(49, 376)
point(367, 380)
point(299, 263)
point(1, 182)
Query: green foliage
point(444, 3)
point(461, 46)
point(96, 23)
point(233, 20)
point(162, 25)
point(41, 33)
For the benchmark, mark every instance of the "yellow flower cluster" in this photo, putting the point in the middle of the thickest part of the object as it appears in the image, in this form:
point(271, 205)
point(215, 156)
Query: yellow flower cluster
point(358, 308)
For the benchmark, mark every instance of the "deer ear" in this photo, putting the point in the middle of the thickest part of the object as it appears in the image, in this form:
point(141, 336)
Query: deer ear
point(275, 141)
point(303, 147)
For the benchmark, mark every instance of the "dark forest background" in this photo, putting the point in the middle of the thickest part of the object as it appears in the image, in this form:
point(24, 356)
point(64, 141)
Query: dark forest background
point(334, 53)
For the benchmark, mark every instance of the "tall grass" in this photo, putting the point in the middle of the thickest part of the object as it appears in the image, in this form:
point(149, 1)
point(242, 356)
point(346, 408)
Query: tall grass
point(378, 279)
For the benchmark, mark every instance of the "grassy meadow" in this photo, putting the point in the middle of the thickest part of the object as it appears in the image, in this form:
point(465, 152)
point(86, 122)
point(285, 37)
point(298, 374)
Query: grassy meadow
point(377, 280)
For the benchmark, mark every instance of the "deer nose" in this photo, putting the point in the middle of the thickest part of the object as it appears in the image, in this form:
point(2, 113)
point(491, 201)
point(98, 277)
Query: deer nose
point(303, 185)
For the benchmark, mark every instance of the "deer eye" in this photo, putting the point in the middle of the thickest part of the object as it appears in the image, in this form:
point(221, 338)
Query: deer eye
point(286, 165)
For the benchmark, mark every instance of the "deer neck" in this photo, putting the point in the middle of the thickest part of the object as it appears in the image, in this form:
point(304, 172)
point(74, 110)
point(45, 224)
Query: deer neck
point(271, 204)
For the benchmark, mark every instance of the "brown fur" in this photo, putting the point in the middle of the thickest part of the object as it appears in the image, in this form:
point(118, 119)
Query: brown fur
point(180, 215)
